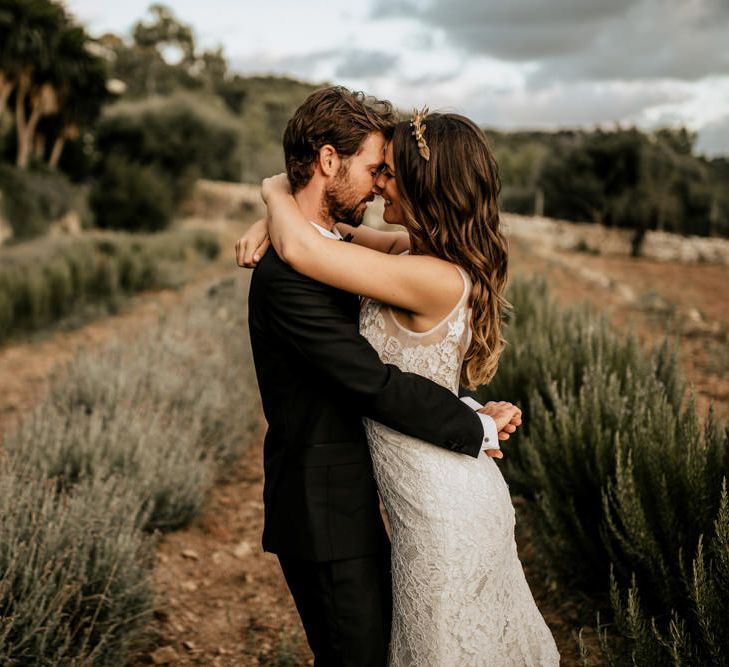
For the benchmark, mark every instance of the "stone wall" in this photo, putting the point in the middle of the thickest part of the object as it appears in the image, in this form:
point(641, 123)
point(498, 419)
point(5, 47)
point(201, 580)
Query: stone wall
point(587, 237)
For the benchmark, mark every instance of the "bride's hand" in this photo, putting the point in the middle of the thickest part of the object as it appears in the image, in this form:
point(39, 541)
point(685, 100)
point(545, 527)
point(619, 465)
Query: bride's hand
point(278, 184)
point(506, 415)
point(250, 247)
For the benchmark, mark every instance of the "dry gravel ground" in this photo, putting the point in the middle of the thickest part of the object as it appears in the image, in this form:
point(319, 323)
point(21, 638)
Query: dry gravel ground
point(221, 601)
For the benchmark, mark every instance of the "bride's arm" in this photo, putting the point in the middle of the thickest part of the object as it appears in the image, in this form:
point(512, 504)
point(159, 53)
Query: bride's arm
point(416, 283)
point(391, 242)
point(250, 247)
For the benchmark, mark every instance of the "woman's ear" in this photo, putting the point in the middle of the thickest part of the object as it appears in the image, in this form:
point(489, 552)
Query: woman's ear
point(329, 160)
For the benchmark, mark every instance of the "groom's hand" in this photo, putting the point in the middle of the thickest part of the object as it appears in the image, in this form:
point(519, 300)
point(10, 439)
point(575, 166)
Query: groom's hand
point(507, 417)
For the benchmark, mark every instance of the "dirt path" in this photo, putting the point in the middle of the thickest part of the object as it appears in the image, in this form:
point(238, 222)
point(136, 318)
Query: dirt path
point(221, 600)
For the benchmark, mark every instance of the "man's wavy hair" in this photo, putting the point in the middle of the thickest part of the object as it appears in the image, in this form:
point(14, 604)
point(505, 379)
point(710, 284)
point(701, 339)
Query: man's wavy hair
point(335, 116)
point(450, 207)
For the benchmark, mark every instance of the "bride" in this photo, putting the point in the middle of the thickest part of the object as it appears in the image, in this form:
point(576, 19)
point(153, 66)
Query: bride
point(432, 302)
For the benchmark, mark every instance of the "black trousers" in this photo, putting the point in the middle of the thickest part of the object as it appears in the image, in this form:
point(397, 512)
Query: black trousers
point(345, 606)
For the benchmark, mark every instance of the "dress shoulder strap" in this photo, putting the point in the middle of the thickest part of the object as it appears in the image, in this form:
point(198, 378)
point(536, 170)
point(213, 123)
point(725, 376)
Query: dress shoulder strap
point(466, 286)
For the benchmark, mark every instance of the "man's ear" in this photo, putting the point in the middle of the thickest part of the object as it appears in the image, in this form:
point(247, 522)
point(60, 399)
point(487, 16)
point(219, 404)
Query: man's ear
point(329, 160)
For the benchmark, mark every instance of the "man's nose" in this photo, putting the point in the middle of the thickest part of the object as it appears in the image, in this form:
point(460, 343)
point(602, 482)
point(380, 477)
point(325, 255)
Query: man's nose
point(379, 184)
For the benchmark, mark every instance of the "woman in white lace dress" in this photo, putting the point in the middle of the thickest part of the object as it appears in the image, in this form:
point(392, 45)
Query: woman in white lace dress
point(459, 592)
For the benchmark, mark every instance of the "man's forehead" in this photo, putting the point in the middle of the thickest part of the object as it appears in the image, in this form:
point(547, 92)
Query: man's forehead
point(374, 143)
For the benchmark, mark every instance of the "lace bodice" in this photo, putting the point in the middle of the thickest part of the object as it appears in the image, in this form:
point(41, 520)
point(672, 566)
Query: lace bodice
point(459, 593)
point(436, 354)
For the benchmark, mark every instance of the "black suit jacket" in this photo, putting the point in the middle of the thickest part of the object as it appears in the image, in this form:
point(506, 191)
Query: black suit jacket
point(317, 377)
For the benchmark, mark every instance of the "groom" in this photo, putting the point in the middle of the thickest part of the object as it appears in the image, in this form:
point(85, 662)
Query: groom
point(317, 377)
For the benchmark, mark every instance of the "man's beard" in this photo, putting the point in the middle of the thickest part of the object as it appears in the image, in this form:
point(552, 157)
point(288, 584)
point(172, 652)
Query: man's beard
point(341, 204)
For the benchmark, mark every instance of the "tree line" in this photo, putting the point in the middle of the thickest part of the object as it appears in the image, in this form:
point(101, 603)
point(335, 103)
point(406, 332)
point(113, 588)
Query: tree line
point(619, 178)
point(142, 117)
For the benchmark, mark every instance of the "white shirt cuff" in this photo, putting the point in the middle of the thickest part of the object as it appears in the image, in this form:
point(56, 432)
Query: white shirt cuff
point(490, 434)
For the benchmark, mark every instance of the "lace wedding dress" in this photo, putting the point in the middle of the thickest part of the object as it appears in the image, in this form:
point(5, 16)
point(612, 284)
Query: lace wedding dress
point(459, 593)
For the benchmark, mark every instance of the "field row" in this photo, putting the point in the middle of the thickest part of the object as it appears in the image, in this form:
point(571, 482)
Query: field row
point(128, 441)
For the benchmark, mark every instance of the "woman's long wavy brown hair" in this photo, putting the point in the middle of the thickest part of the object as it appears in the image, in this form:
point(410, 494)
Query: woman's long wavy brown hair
point(450, 207)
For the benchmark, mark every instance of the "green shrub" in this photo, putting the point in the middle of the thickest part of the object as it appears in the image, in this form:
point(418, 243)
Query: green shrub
point(668, 530)
point(36, 298)
point(183, 136)
point(107, 277)
point(619, 473)
point(207, 246)
point(264, 105)
point(136, 270)
point(32, 200)
point(44, 280)
point(549, 355)
point(133, 197)
point(75, 571)
point(6, 314)
point(58, 276)
point(520, 200)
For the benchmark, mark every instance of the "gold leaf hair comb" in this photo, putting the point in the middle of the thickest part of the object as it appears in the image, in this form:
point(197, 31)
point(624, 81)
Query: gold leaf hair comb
point(419, 130)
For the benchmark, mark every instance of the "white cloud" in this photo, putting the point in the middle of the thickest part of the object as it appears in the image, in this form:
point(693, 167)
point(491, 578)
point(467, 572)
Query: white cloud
point(506, 63)
point(358, 64)
point(620, 39)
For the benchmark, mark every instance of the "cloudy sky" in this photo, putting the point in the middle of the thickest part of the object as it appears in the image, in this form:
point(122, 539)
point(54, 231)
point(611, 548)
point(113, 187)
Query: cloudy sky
point(508, 64)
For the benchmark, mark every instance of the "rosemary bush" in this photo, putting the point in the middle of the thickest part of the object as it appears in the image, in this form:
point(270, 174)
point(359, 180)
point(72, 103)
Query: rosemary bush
point(75, 571)
point(624, 481)
point(159, 462)
point(163, 412)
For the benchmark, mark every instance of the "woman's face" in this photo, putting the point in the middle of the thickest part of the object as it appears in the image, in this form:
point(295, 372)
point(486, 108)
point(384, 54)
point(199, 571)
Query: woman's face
point(387, 184)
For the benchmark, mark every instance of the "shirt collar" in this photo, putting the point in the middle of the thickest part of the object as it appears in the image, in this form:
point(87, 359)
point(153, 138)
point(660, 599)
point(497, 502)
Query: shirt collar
point(334, 234)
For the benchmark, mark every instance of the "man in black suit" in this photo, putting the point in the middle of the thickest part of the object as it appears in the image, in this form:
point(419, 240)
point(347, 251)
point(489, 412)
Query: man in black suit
point(317, 377)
